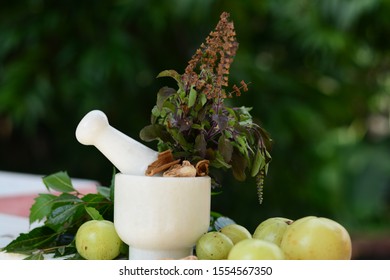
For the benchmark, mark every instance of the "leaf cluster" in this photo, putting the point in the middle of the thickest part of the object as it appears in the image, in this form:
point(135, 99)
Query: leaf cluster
point(61, 212)
point(195, 122)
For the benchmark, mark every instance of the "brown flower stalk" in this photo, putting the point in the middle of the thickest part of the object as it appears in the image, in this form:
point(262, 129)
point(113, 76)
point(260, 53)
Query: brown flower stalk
point(208, 69)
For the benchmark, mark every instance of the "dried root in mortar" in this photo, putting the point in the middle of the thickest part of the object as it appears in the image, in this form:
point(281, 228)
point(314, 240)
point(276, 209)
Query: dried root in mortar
point(202, 168)
point(186, 169)
point(172, 168)
point(164, 161)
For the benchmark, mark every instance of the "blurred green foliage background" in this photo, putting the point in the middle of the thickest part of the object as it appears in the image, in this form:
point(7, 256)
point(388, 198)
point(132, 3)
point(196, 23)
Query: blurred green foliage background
point(319, 74)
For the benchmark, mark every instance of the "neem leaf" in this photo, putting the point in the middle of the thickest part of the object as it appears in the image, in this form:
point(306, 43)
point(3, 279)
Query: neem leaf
point(59, 217)
point(101, 203)
point(93, 213)
point(104, 191)
point(41, 207)
point(36, 256)
point(92, 198)
point(37, 238)
point(67, 250)
point(59, 181)
point(67, 198)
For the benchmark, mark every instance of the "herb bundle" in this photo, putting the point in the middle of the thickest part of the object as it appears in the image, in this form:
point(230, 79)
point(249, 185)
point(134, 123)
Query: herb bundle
point(195, 122)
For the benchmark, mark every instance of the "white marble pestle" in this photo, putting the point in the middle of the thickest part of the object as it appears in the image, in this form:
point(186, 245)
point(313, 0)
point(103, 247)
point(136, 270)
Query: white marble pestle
point(126, 154)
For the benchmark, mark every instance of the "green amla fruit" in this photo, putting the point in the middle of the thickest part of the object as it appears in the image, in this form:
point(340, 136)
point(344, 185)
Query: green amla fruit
point(236, 232)
point(213, 246)
point(255, 249)
point(98, 240)
point(272, 229)
point(316, 238)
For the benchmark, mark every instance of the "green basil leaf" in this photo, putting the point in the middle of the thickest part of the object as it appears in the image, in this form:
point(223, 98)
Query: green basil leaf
point(219, 162)
point(242, 145)
point(202, 99)
point(265, 137)
point(258, 163)
point(59, 181)
point(153, 132)
point(197, 126)
point(156, 112)
point(192, 97)
point(173, 74)
point(162, 95)
point(170, 73)
point(239, 165)
point(221, 120)
point(180, 139)
point(200, 145)
point(225, 147)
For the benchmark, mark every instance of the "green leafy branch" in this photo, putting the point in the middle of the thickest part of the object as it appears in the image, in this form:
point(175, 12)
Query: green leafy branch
point(62, 214)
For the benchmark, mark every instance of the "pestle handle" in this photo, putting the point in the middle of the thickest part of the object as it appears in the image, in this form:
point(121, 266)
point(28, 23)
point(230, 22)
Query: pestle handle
point(126, 154)
point(89, 128)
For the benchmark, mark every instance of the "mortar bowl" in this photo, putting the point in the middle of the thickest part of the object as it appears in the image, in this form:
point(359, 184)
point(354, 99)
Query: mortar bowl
point(161, 217)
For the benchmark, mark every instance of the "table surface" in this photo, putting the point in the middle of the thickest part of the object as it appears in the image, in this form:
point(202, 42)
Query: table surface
point(17, 193)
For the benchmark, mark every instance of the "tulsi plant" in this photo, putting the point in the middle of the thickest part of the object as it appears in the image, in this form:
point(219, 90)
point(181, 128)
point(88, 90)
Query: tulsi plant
point(194, 121)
